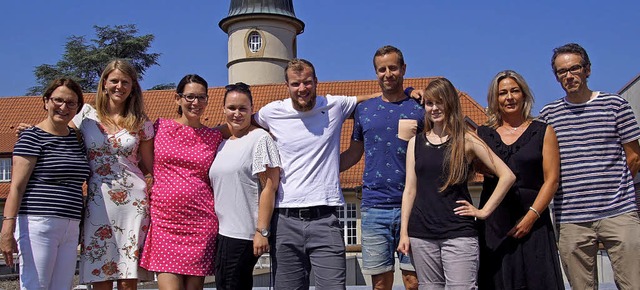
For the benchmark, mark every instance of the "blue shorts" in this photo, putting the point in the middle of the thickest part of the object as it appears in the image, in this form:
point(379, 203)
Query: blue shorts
point(380, 237)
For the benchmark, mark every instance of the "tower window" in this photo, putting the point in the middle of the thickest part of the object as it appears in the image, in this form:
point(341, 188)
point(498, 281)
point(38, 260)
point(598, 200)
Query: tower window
point(254, 41)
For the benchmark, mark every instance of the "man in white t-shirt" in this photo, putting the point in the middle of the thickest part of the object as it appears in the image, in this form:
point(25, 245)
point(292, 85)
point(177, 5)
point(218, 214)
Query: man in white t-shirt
point(306, 230)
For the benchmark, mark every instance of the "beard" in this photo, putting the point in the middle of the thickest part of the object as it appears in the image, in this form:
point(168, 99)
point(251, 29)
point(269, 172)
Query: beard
point(305, 105)
point(391, 87)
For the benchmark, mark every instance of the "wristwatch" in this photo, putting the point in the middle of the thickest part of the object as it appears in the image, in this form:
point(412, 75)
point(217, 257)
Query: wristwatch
point(264, 232)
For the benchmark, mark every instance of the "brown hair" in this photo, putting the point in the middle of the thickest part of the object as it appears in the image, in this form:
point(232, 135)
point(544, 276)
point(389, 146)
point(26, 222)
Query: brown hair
point(190, 78)
point(66, 82)
point(298, 65)
point(238, 87)
point(456, 165)
point(387, 49)
point(570, 48)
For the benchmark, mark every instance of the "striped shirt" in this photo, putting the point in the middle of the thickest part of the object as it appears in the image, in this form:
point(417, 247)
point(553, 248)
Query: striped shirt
point(55, 185)
point(595, 182)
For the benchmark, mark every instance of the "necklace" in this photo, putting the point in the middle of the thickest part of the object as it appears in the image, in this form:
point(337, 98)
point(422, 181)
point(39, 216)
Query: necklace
point(442, 139)
point(512, 130)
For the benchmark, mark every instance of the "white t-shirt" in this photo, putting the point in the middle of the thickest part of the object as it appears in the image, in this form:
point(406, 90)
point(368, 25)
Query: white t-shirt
point(309, 144)
point(234, 179)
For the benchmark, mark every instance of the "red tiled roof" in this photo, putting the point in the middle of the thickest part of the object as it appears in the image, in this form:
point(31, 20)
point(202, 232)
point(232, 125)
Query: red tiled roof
point(4, 189)
point(160, 104)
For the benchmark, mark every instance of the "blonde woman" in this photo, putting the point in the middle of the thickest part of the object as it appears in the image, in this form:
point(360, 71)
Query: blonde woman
point(517, 243)
point(438, 227)
point(117, 136)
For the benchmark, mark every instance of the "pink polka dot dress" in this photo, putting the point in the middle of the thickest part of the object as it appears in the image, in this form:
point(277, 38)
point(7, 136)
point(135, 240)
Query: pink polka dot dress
point(184, 224)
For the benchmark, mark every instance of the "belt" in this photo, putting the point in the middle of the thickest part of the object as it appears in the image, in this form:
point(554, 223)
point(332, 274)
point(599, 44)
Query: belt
point(307, 213)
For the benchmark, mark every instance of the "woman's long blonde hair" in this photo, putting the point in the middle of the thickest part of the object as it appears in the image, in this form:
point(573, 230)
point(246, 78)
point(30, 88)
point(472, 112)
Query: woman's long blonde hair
point(133, 116)
point(493, 109)
point(456, 165)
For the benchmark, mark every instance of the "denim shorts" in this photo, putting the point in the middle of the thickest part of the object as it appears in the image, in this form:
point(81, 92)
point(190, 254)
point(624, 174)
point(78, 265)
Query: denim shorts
point(380, 237)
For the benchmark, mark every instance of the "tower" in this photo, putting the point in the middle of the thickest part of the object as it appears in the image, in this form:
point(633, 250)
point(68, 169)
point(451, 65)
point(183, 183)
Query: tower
point(262, 39)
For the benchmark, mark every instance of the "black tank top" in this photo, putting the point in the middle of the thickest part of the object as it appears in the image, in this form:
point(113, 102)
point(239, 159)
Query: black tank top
point(432, 214)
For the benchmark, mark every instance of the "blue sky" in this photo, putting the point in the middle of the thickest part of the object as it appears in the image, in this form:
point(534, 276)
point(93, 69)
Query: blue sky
point(465, 41)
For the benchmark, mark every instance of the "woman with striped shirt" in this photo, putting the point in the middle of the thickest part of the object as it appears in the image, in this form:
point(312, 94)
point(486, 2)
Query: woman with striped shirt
point(45, 197)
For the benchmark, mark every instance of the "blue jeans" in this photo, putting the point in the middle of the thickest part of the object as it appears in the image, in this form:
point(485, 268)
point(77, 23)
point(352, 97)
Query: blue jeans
point(380, 237)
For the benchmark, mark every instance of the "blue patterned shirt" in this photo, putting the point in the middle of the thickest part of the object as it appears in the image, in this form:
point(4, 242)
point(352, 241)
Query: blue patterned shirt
point(376, 124)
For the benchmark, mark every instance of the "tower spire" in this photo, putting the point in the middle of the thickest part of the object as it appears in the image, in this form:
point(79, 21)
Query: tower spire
point(262, 39)
point(257, 7)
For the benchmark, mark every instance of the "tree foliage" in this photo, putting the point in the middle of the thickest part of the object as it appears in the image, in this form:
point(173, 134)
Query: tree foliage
point(84, 60)
point(165, 86)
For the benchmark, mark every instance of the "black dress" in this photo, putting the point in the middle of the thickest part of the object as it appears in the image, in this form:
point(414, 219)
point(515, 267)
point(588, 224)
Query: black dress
point(530, 262)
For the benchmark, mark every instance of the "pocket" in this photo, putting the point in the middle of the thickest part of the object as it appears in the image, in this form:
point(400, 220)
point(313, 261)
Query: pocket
point(37, 226)
point(338, 229)
point(364, 212)
point(36, 218)
point(335, 221)
point(633, 215)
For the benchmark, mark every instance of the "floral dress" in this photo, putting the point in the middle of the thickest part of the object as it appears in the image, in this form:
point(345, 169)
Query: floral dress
point(116, 217)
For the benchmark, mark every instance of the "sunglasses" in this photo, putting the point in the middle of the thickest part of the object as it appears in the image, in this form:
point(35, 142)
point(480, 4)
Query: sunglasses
point(239, 86)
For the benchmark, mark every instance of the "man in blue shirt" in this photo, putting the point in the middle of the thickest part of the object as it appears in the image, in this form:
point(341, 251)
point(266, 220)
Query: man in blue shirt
point(382, 128)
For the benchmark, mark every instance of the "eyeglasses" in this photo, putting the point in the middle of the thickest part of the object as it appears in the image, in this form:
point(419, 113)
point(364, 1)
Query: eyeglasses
point(237, 86)
point(574, 70)
point(191, 98)
point(60, 101)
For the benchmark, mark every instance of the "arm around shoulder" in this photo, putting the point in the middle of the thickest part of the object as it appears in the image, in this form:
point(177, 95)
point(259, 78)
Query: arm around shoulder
point(352, 155)
point(146, 147)
point(362, 98)
point(224, 130)
point(146, 156)
point(260, 117)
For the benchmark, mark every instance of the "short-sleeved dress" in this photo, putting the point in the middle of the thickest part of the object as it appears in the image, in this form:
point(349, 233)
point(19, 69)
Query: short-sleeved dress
point(117, 212)
point(531, 262)
point(184, 225)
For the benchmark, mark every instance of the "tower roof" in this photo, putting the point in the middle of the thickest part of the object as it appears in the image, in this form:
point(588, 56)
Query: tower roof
point(243, 8)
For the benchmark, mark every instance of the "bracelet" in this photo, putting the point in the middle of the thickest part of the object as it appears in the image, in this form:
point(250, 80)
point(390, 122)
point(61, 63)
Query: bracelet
point(534, 211)
point(4, 218)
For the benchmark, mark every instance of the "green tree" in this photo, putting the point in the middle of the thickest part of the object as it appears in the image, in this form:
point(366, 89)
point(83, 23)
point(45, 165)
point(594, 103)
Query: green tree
point(165, 86)
point(84, 60)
